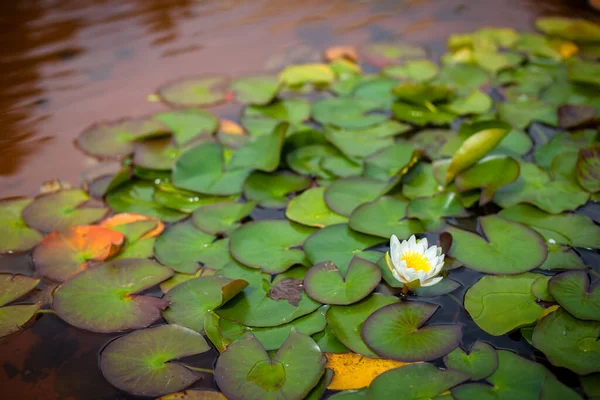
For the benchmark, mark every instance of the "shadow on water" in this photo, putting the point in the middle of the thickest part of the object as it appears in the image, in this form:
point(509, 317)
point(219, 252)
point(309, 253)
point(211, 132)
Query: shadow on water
point(67, 64)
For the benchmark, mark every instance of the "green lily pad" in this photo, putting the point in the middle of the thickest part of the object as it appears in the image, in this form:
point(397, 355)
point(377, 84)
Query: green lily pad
point(272, 190)
point(421, 94)
point(298, 75)
point(221, 218)
point(269, 245)
point(246, 371)
point(571, 116)
point(413, 70)
point(413, 382)
point(573, 292)
point(141, 363)
point(520, 113)
point(13, 318)
point(344, 195)
point(420, 182)
point(569, 342)
point(437, 143)
point(480, 363)
point(15, 235)
point(118, 138)
point(588, 165)
point(258, 305)
point(569, 28)
point(179, 277)
point(348, 113)
point(396, 332)
point(185, 201)
point(262, 153)
point(137, 197)
point(493, 61)
point(359, 143)
point(385, 217)
point(346, 321)
point(378, 90)
point(13, 287)
point(273, 338)
point(194, 395)
point(392, 163)
point(562, 143)
point(190, 301)
point(203, 169)
point(61, 210)
point(444, 286)
point(575, 230)
point(260, 120)
point(338, 244)
point(475, 102)
point(516, 378)
point(430, 211)
point(156, 154)
point(499, 304)
point(489, 174)
point(463, 78)
point(99, 187)
point(326, 284)
point(183, 247)
point(255, 89)
point(194, 92)
point(338, 165)
point(310, 209)
point(561, 257)
point(307, 160)
point(103, 299)
point(506, 247)
point(539, 288)
point(329, 343)
point(422, 115)
point(584, 72)
point(186, 125)
point(390, 52)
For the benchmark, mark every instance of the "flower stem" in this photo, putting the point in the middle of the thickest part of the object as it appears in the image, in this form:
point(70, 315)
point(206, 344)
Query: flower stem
point(405, 289)
point(198, 369)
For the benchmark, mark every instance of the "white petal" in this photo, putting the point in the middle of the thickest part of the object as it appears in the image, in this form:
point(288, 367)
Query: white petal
point(409, 273)
point(394, 249)
point(439, 251)
point(423, 245)
point(398, 276)
point(431, 281)
point(430, 253)
point(412, 242)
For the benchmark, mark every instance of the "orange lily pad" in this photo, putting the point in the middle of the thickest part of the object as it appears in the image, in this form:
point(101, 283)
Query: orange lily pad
point(128, 218)
point(355, 371)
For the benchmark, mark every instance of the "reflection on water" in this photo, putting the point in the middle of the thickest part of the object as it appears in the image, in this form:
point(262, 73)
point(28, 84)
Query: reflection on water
point(67, 63)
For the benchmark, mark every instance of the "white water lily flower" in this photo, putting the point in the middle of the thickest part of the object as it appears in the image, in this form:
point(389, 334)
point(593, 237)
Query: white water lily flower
point(413, 263)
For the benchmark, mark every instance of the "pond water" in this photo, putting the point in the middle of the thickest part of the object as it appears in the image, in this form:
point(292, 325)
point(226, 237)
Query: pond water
point(67, 64)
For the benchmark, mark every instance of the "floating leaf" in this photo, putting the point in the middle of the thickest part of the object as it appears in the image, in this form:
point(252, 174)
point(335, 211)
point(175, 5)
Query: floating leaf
point(185, 201)
point(15, 235)
point(179, 277)
point(493, 61)
point(378, 90)
point(413, 382)
point(385, 217)
point(262, 153)
point(194, 395)
point(61, 255)
point(298, 75)
point(221, 218)
point(272, 190)
point(346, 321)
point(246, 371)
point(384, 53)
point(269, 245)
point(354, 371)
point(413, 70)
point(190, 301)
point(569, 28)
point(103, 299)
point(573, 292)
point(444, 286)
point(480, 363)
point(348, 113)
point(392, 163)
point(561, 257)
point(588, 165)
point(202, 169)
point(308, 160)
point(499, 304)
point(183, 247)
point(194, 92)
point(396, 332)
point(421, 94)
point(344, 195)
point(13, 287)
point(350, 395)
point(430, 211)
point(539, 288)
point(61, 210)
point(476, 102)
point(360, 143)
point(571, 116)
point(338, 244)
point(569, 342)
point(261, 120)
point(420, 182)
point(255, 89)
point(117, 139)
point(422, 115)
point(562, 143)
point(489, 174)
point(585, 72)
point(505, 248)
point(186, 125)
point(463, 78)
point(591, 386)
point(118, 220)
point(327, 284)
point(141, 363)
point(310, 209)
point(13, 318)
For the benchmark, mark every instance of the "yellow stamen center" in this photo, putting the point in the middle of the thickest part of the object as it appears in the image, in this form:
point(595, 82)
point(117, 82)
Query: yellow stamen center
point(416, 261)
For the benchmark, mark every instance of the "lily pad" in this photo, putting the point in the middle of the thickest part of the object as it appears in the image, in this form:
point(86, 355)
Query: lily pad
point(141, 363)
point(310, 209)
point(385, 217)
point(298, 75)
point(344, 195)
point(489, 174)
point(355, 371)
point(413, 70)
point(571, 116)
point(15, 235)
point(255, 89)
point(422, 115)
point(61, 210)
point(539, 288)
point(194, 92)
point(413, 382)
point(562, 143)
point(140, 233)
point(246, 371)
point(117, 139)
point(444, 286)
point(430, 211)
point(262, 153)
point(396, 332)
point(359, 143)
point(420, 182)
point(203, 169)
point(269, 245)
point(573, 292)
point(190, 301)
point(185, 201)
point(183, 247)
point(390, 52)
point(346, 321)
point(12, 318)
point(421, 94)
point(480, 363)
point(326, 283)
point(521, 112)
point(221, 218)
point(585, 72)
point(378, 90)
point(506, 247)
point(392, 163)
point(463, 78)
point(569, 28)
point(308, 160)
point(272, 190)
point(261, 119)
point(103, 299)
point(561, 257)
point(588, 165)
point(499, 304)
point(186, 125)
point(348, 113)
point(569, 342)
point(61, 255)
point(476, 102)
point(194, 395)
point(338, 244)
point(156, 154)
